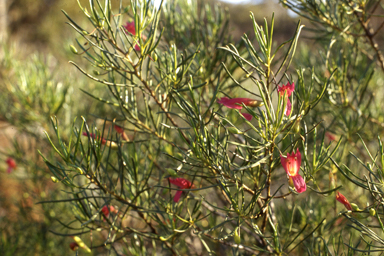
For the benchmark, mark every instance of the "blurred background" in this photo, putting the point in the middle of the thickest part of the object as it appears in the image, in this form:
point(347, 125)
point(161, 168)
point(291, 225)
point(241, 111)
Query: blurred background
point(41, 27)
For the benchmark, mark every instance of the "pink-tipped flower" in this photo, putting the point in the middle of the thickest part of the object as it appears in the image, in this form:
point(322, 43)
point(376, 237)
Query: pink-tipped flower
point(342, 199)
point(291, 165)
point(120, 131)
point(288, 89)
point(11, 164)
point(182, 184)
point(130, 27)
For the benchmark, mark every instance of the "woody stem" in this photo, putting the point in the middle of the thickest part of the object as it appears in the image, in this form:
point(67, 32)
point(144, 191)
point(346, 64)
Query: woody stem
point(268, 151)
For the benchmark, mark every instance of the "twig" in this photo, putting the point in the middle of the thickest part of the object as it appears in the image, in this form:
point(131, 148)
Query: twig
point(369, 36)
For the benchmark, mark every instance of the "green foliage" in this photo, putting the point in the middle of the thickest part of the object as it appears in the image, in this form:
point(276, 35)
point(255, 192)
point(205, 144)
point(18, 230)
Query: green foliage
point(161, 162)
point(30, 93)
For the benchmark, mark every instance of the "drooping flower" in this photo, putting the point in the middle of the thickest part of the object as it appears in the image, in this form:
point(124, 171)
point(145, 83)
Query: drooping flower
point(11, 164)
point(236, 103)
point(130, 27)
point(291, 165)
point(342, 199)
point(288, 89)
point(120, 131)
point(182, 184)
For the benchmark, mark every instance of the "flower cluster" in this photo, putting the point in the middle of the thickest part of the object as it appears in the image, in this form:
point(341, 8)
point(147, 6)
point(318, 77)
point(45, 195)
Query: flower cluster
point(237, 103)
point(291, 163)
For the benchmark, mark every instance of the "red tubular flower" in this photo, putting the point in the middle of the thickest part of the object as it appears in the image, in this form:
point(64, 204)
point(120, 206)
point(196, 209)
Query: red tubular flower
point(120, 131)
point(103, 141)
point(289, 88)
point(291, 165)
point(182, 184)
point(342, 199)
point(130, 27)
point(11, 164)
point(236, 102)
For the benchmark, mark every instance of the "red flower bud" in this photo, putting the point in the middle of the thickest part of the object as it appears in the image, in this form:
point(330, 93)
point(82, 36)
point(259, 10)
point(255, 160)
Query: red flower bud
point(342, 199)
